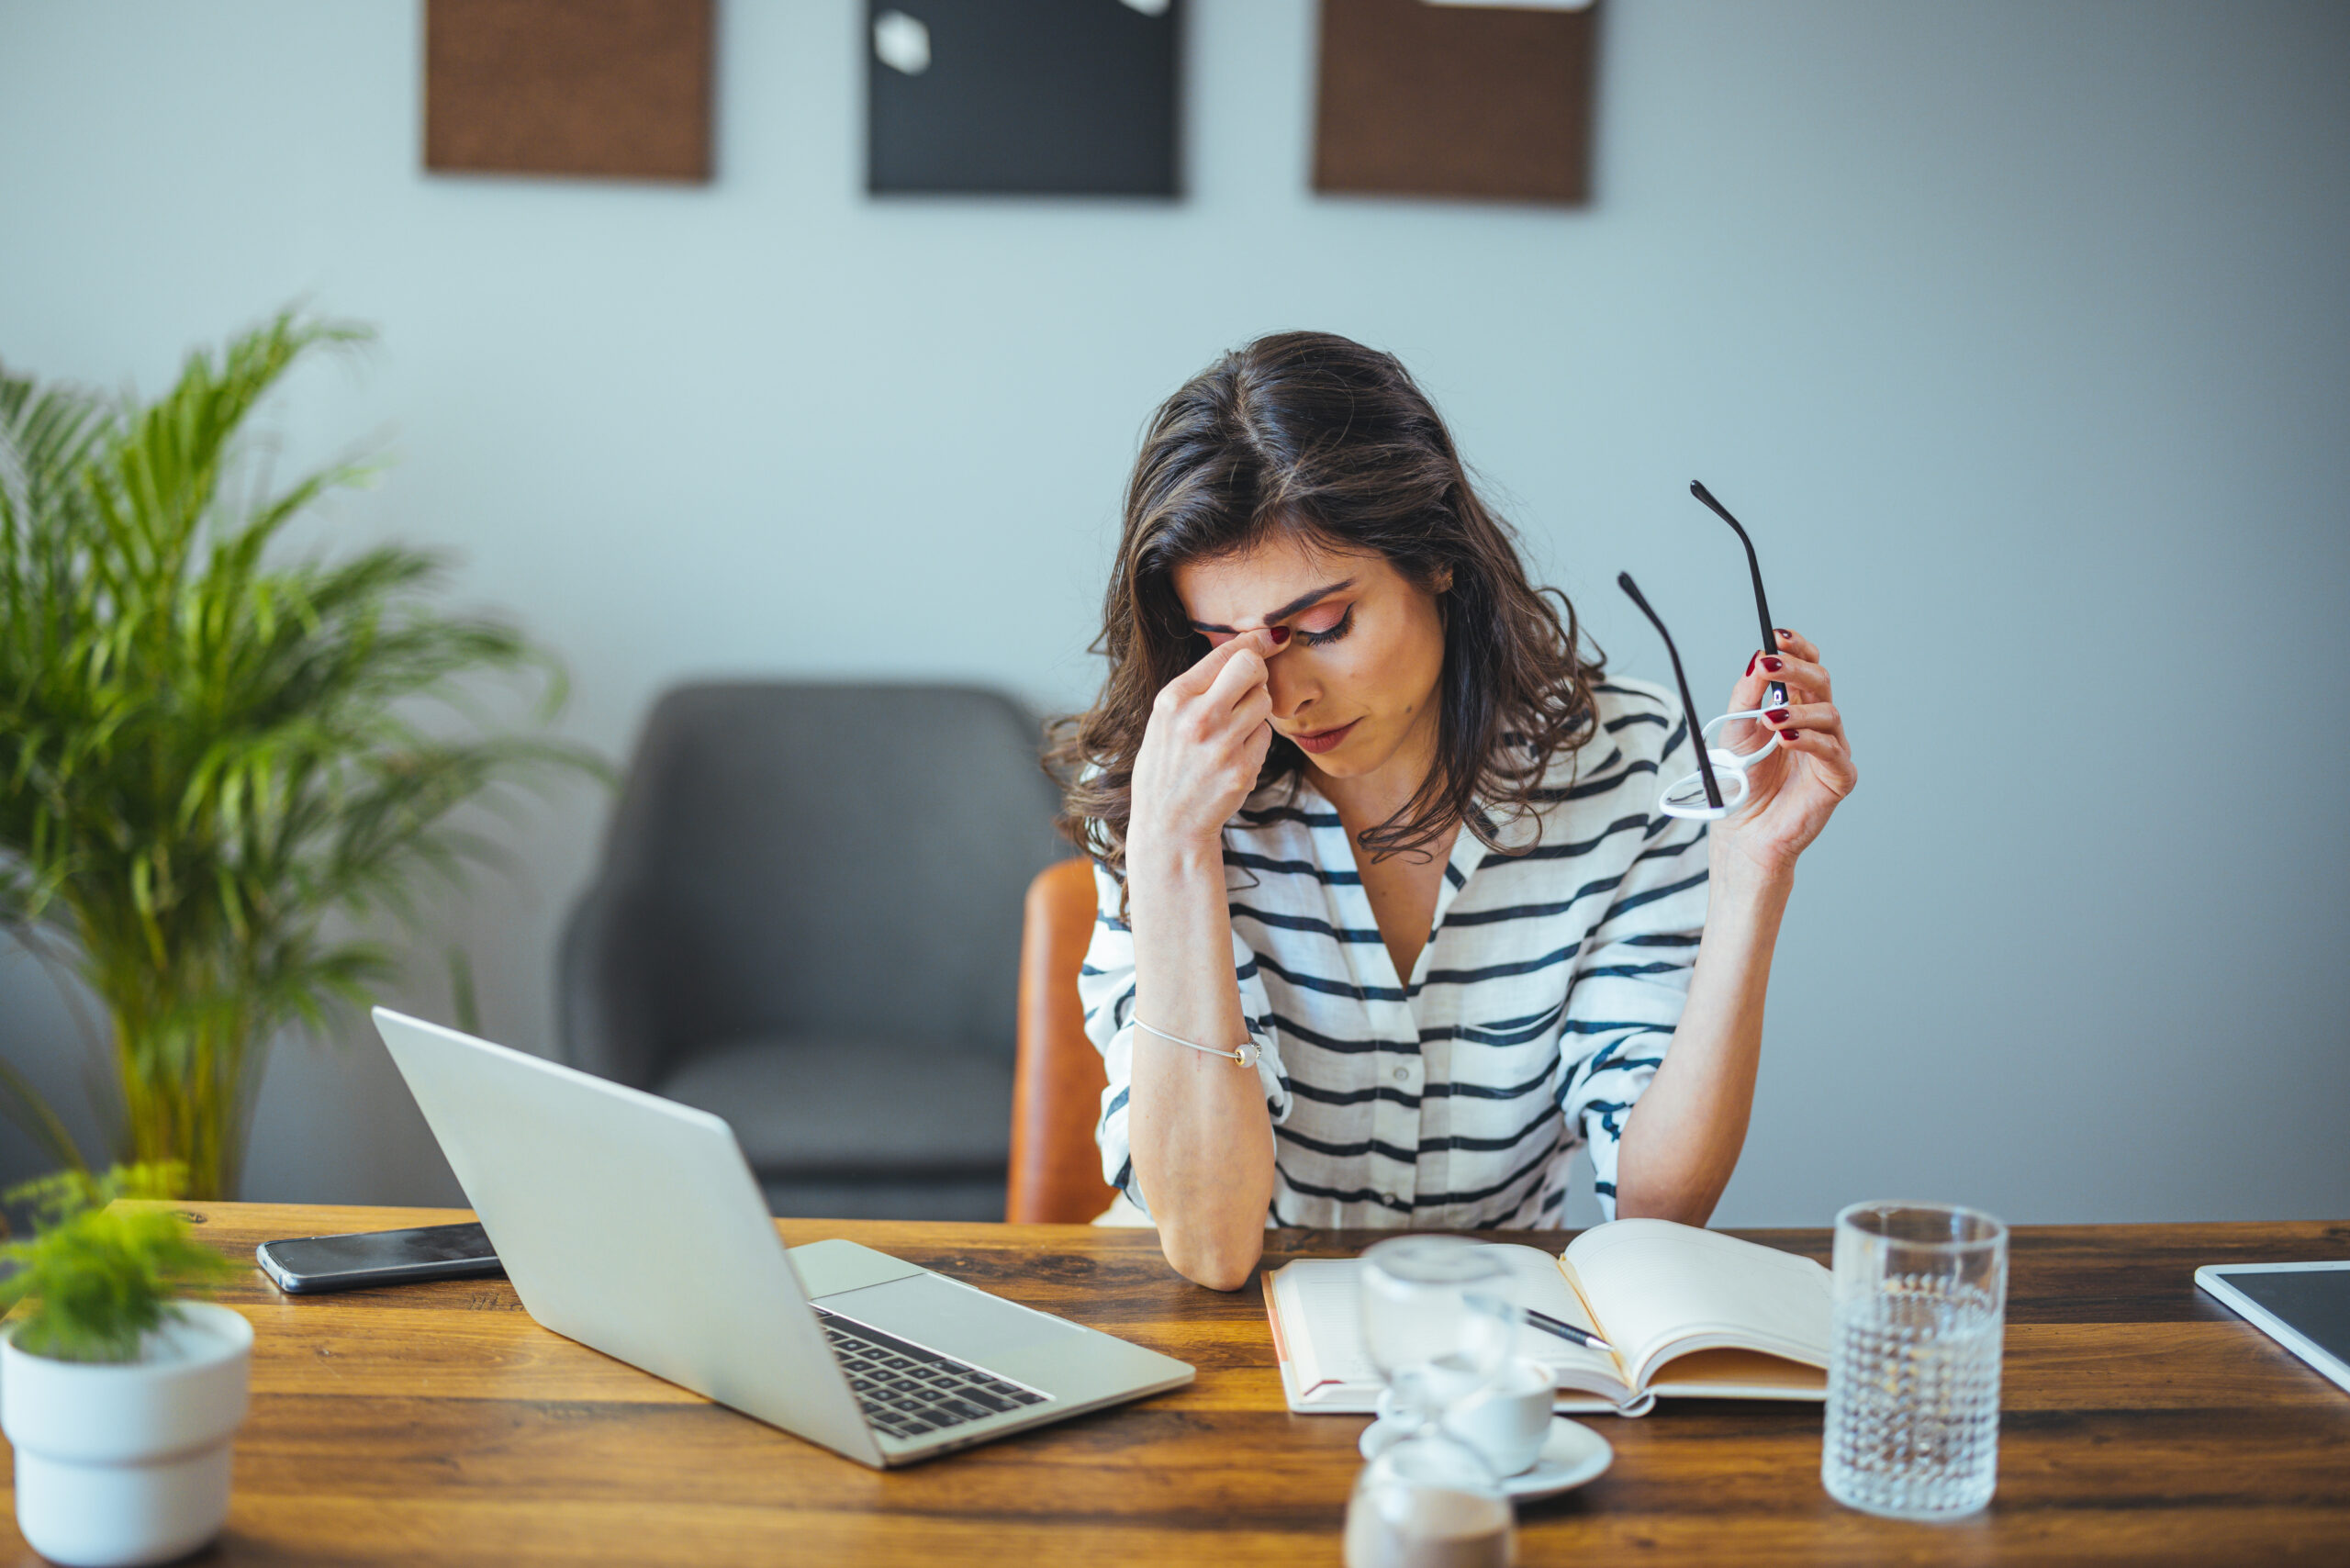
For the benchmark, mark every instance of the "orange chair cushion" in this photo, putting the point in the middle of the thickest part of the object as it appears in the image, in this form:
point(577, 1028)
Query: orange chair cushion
point(1056, 1175)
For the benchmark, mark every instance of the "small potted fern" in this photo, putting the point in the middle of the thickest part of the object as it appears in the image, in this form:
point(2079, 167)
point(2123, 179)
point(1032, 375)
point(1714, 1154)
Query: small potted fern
point(119, 1398)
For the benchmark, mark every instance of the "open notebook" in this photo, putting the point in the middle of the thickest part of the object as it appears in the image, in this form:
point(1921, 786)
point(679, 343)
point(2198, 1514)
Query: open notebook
point(1690, 1312)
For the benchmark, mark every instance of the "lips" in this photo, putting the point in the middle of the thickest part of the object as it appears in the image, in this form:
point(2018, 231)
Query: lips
point(1320, 741)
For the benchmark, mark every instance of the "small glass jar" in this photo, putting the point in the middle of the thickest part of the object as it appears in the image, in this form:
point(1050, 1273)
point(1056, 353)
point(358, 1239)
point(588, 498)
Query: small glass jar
point(1430, 1501)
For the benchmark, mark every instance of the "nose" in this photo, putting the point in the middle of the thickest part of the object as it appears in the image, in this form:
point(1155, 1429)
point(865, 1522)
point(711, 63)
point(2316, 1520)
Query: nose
point(1290, 683)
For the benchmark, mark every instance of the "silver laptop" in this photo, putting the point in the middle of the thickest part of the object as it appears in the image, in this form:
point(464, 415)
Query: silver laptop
point(633, 1226)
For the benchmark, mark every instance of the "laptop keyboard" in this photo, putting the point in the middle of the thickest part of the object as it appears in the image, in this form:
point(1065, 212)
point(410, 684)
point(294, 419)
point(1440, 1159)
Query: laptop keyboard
point(909, 1392)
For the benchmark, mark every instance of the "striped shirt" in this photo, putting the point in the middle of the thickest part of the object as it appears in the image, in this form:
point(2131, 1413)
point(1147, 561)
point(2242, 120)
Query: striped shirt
point(1541, 1005)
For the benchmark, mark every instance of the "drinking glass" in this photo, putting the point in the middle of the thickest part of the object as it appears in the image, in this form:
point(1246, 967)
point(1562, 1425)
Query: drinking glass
point(1912, 1429)
point(1438, 1325)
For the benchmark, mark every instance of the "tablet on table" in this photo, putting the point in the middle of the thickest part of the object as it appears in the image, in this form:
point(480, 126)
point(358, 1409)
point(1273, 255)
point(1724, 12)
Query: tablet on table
point(2303, 1306)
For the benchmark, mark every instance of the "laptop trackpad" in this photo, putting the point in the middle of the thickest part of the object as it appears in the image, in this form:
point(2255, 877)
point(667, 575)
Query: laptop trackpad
point(956, 1319)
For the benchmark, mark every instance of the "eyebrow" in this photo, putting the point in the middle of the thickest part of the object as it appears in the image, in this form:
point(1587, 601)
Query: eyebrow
point(1302, 601)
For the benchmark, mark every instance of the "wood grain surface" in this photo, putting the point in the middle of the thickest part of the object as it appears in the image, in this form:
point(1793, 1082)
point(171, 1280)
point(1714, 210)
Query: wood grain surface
point(615, 89)
point(1481, 102)
point(437, 1424)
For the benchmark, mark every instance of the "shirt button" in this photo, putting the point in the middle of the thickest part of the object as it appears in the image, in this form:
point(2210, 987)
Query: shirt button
point(1403, 1075)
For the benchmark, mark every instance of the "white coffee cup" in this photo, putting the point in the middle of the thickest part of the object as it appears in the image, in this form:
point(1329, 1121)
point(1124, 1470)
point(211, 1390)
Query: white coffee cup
point(1509, 1420)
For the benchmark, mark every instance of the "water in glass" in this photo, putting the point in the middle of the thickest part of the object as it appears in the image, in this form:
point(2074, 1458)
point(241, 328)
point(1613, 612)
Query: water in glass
point(1912, 1425)
point(1913, 1401)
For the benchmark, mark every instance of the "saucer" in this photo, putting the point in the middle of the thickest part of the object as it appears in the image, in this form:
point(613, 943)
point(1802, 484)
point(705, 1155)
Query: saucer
point(1571, 1455)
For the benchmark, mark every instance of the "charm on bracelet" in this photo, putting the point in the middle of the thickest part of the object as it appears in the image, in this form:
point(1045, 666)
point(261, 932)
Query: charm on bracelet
point(1246, 1055)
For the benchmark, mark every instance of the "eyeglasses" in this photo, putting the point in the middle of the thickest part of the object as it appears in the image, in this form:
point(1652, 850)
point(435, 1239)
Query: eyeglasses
point(1778, 692)
point(1688, 797)
point(1701, 794)
point(1718, 787)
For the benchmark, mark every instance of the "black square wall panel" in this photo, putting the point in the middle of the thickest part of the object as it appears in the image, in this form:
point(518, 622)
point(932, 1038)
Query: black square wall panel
point(1062, 97)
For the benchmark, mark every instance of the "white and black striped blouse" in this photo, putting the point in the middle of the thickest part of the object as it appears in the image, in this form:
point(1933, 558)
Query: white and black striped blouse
point(1552, 978)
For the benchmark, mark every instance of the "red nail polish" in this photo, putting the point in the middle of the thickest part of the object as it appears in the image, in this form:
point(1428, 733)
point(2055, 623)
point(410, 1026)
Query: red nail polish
point(1777, 715)
point(1281, 636)
point(1749, 664)
point(1789, 734)
point(1784, 635)
point(1775, 665)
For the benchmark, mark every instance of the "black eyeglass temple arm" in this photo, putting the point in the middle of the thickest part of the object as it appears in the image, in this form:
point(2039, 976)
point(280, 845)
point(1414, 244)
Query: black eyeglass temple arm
point(1688, 704)
point(1754, 569)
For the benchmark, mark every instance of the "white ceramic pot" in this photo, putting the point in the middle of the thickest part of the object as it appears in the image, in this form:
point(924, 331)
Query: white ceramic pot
point(128, 1463)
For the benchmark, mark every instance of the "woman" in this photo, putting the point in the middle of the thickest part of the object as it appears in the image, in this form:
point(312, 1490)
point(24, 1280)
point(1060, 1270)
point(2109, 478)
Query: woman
point(1389, 919)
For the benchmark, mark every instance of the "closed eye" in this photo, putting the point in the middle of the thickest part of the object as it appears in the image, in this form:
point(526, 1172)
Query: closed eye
point(1334, 623)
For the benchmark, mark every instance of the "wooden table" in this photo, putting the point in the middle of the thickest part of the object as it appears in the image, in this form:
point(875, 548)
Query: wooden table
point(438, 1423)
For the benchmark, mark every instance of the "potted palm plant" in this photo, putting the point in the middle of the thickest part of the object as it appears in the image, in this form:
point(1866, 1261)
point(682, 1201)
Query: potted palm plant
point(120, 1399)
point(221, 760)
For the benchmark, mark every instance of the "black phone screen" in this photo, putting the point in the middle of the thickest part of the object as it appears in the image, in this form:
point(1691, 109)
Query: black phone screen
point(381, 1257)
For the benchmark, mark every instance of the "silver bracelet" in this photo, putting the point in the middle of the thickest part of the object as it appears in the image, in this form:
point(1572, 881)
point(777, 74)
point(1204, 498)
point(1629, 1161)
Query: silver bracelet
point(1246, 1056)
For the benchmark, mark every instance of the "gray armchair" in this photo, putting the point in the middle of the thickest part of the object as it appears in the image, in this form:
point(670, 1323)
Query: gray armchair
point(808, 921)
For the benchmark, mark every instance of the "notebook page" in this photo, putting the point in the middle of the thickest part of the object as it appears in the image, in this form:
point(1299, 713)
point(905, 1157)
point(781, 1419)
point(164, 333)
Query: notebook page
point(1655, 1285)
point(1328, 1346)
point(1322, 1318)
point(1534, 1281)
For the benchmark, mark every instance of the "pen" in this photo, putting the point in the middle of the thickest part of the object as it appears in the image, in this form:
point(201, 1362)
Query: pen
point(1567, 1331)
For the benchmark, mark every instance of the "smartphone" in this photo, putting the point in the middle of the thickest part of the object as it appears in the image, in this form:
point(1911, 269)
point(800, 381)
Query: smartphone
point(304, 1264)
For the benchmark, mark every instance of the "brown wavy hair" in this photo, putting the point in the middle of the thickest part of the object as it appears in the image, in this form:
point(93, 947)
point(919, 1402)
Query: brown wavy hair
point(1315, 434)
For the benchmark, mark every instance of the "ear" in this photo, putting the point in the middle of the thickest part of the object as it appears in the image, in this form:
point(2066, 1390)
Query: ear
point(1443, 582)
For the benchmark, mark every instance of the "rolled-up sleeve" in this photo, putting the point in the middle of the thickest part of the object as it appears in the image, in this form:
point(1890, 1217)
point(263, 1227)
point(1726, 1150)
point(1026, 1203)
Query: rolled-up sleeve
point(1631, 982)
point(1105, 985)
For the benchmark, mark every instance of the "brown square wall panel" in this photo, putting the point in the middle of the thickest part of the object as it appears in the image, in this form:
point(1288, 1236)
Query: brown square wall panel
point(1450, 100)
point(619, 89)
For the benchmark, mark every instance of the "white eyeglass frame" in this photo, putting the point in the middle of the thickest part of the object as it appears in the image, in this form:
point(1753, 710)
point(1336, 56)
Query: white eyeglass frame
point(1730, 773)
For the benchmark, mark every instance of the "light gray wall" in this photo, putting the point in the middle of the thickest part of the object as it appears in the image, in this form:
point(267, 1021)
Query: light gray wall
point(2016, 331)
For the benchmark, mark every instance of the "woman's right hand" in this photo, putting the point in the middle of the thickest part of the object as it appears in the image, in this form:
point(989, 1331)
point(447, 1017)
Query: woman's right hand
point(1204, 746)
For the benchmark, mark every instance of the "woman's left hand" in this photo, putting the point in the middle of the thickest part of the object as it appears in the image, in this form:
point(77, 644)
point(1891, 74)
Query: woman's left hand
point(1791, 793)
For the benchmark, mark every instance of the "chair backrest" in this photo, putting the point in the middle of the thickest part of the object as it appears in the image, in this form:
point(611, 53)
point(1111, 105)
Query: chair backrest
point(1056, 1175)
point(824, 861)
